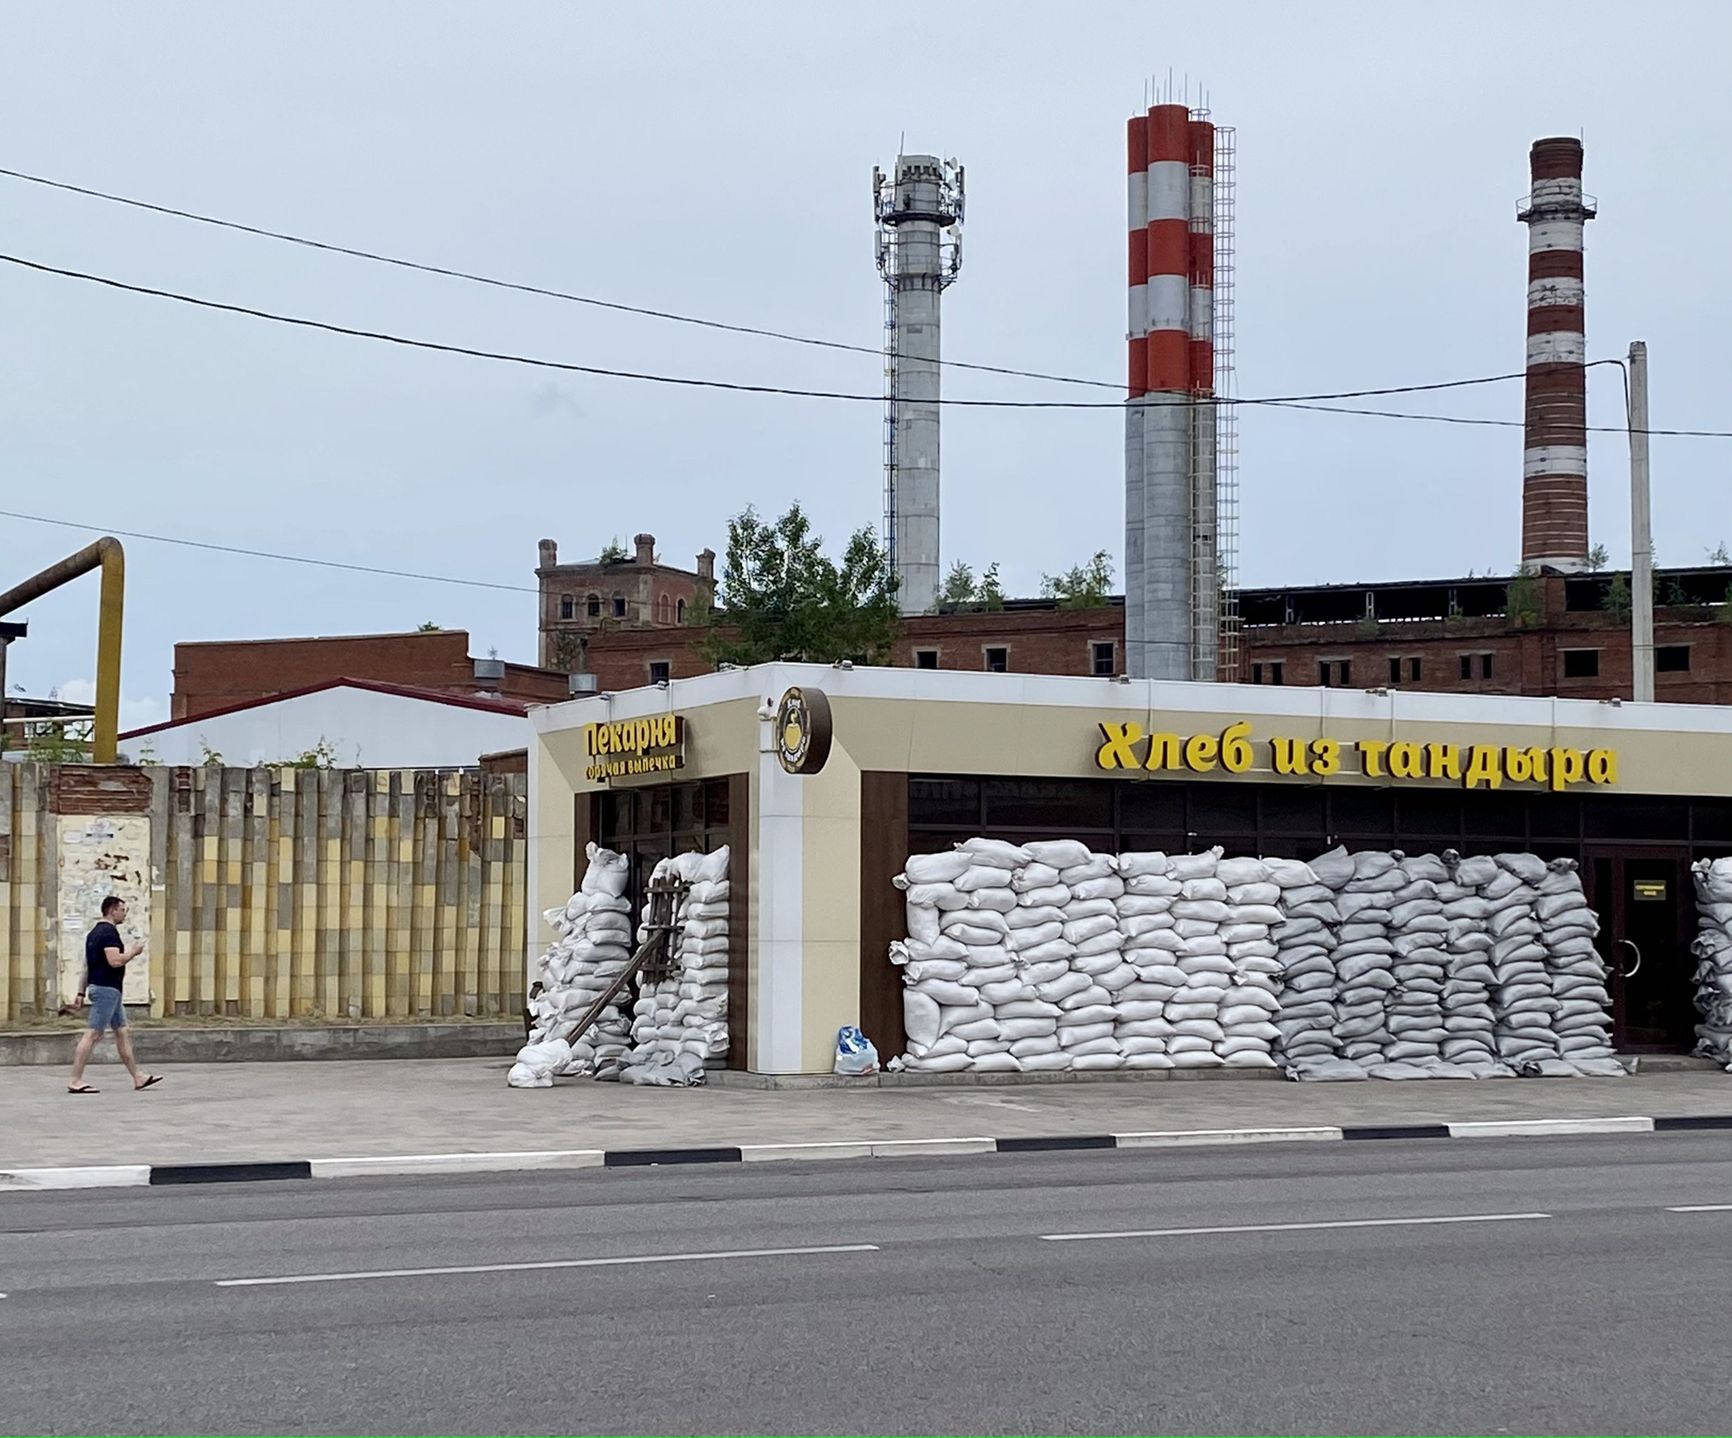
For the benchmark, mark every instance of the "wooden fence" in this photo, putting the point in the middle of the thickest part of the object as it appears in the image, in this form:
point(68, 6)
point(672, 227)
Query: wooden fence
point(269, 894)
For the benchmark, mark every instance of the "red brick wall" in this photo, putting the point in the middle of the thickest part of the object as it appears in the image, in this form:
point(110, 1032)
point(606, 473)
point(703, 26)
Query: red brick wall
point(211, 676)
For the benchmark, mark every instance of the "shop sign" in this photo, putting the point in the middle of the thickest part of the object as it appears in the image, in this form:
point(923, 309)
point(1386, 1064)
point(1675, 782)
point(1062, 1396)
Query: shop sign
point(628, 748)
point(803, 730)
point(1651, 889)
point(1126, 747)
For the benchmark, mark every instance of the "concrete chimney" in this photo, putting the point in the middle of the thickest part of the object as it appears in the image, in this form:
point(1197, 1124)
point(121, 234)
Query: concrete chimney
point(549, 553)
point(646, 548)
point(707, 564)
point(1555, 450)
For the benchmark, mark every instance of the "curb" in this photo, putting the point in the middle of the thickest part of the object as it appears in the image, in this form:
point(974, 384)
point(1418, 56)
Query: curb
point(140, 1175)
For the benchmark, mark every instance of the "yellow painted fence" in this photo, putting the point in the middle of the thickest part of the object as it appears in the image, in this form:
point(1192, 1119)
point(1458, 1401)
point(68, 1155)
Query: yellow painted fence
point(268, 893)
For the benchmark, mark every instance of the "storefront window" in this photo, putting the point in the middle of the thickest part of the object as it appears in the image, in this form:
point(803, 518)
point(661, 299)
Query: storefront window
point(1040, 804)
point(943, 802)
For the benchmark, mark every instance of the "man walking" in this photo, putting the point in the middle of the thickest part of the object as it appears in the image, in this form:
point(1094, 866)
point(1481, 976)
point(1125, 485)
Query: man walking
point(106, 956)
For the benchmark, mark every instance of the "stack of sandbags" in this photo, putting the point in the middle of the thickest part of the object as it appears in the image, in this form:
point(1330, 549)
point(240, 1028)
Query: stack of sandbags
point(1151, 947)
point(1085, 893)
point(1365, 958)
point(592, 947)
point(1582, 1022)
point(958, 963)
point(1522, 989)
point(1419, 933)
point(1251, 971)
point(680, 1018)
point(1305, 943)
point(1469, 1012)
point(1713, 950)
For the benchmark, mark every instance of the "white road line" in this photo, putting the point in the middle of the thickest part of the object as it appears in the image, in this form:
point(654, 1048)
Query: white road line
point(1701, 1208)
point(1298, 1227)
point(554, 1263)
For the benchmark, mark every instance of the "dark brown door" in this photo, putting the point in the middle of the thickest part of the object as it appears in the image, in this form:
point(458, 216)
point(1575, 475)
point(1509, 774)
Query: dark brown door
point(1647, 918)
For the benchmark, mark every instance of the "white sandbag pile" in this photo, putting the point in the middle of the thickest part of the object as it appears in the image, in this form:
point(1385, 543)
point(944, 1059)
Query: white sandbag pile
point(1308, 1023)
point(592, 948)
point(1581, 1015)
point(1047, 956)
point(1713, 950)
point(680, 1020)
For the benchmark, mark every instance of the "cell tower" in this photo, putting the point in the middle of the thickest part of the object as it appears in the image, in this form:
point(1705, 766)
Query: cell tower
point(919, 214)
point(1181, 493)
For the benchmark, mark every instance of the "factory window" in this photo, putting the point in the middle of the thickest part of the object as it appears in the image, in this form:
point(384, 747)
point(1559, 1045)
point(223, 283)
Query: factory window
point(1395, 671)
point(1273, 671)
point(1338, 672)
point(619, 606)
point(1467, 666)
point(664, 609)
point(1672, 659)
point(997, 660)
point(593, 606)
point(1485, 666)
point(567, 606)
point(679, 611)
point(1101, 656)
point(1413, 670)
point(659, 669)
point(925, 658)
point(1581, 663)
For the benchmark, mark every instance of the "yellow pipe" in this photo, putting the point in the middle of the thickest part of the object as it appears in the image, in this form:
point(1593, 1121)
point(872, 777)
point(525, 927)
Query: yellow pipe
point(107, 555)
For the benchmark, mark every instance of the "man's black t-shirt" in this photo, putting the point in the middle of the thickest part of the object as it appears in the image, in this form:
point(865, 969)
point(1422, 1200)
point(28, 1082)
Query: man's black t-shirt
point(99, 973)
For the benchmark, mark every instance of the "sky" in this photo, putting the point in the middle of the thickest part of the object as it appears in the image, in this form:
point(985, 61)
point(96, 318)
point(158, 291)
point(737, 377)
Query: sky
point(716, 160)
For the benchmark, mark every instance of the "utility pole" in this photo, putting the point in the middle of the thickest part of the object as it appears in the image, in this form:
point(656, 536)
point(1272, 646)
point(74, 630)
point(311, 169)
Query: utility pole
point(1641, 533)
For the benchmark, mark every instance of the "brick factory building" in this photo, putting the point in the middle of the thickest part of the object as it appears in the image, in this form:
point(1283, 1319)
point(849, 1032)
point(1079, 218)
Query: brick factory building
point(220, 674)
point(614, 592)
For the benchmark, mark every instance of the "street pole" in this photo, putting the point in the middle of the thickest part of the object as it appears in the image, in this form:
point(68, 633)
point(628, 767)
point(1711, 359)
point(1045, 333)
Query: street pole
point(1641, 533)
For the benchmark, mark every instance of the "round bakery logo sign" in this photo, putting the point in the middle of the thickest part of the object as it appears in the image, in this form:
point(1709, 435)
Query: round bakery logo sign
point(803, 731)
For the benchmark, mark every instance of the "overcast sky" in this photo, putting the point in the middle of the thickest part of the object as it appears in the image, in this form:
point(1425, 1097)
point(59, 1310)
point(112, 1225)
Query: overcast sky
point(716, 160)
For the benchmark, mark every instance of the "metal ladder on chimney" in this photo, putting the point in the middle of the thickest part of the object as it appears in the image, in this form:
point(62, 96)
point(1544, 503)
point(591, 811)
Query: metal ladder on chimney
point(655, 958)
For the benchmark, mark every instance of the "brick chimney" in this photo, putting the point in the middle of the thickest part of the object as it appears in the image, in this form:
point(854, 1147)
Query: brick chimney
point(1555, 452)
point(549, 553)
point(646, 548)
point(707, 564)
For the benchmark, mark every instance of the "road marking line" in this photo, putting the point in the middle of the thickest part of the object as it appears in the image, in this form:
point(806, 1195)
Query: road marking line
point(1298, 1227)
point(554, 1263)
point(1701, 1208)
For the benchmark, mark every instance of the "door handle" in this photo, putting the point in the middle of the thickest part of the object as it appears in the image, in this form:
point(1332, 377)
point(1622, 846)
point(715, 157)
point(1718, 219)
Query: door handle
point(1631, 972)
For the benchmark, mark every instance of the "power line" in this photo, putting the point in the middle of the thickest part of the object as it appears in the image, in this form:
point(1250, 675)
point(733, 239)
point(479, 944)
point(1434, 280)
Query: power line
point(694, 382)
point(267, 554)
point(1300, 401)
point(527, 289)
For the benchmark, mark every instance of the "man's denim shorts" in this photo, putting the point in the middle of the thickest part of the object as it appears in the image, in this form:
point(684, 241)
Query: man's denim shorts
point(106, 1010)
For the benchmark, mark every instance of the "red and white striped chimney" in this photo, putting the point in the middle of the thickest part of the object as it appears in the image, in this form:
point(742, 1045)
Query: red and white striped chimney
point(1168, 348)
point(1555, 455)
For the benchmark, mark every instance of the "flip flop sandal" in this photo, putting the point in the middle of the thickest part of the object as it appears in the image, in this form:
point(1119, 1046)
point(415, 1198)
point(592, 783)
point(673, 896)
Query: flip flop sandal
point(81, 1088)
point(149, 1081)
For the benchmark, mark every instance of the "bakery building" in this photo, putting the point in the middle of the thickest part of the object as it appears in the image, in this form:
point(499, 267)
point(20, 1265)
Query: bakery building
point(824, 780)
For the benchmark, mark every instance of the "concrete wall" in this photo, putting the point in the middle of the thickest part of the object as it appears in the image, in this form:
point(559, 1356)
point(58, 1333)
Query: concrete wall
point(361, 727)
point(268, 894)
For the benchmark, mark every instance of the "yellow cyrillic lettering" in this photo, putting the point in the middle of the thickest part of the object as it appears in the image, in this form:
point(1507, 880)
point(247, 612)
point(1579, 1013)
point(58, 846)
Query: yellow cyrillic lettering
point(1163, 752)
point(1236, 747)
point(1442, 761)
point(1602, 766)
point(1371, 756)
point(1325, 757)
point(1287, 756)
point(1406, 761)
point(1118, 748)
point(1484, 766)
point(1200, 750)
point(1525, 765)
point(1568, 767)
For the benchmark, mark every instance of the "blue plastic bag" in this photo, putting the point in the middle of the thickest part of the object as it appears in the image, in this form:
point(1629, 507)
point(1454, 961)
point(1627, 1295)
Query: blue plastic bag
point(855, 1055)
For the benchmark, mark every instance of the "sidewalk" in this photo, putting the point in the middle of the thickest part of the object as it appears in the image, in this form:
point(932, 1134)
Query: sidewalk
point(235, 1112)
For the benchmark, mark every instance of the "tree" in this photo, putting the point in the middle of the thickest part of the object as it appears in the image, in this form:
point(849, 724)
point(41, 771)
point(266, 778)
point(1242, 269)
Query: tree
point(1523, 599)
point(614, 552)
point(1598, 558)
point(965, 592)
point(781, 598)
point(1617, 601)
point(1087, 586)
point(1720, 554)
point(429, 627)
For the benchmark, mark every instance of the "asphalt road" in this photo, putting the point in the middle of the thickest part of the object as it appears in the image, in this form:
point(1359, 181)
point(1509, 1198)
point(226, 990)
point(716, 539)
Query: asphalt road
point(1279, 1289)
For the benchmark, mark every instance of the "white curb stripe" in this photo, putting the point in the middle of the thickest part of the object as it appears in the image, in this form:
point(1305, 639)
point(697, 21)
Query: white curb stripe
point(121, 1175)
point(1178, 1138)
point(457, 1162)
point(765, 1152)
point(1538, 1127)
point(1701, 1208)
point(530, 1267)
point(1298, 1227)
point(931, 1147)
